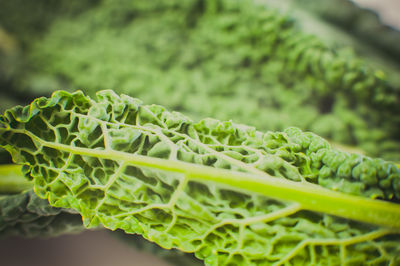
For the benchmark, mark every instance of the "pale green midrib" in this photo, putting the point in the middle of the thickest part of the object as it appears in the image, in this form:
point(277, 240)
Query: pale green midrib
point(309, 196)
point(238, 163)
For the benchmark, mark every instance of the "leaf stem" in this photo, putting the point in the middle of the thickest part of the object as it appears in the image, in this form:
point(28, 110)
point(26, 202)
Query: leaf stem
point(12, 180)
point(309, 196)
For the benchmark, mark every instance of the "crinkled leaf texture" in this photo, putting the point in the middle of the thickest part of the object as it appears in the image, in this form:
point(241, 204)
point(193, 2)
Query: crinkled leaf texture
point(186, 55)
point(226, 192)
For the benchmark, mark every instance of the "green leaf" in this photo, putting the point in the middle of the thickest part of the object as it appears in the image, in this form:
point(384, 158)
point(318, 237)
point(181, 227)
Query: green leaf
point(184, 56)
point(27, 215)
point(226, 192)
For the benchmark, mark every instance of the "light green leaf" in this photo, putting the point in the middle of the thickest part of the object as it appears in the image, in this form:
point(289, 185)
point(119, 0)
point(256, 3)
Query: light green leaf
point(226, 192)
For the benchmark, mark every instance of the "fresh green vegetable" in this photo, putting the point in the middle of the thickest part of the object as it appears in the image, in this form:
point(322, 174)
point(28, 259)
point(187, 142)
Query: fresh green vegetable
point(228, 60)
point(224, 59)
point(24, 214)
point(226, 192)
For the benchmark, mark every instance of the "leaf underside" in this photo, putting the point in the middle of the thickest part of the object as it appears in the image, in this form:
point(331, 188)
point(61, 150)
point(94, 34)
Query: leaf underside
point(27, 215)
point(71, 146)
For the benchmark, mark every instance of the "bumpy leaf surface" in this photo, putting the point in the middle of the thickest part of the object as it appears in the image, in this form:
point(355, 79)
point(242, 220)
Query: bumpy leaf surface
point(222, 59)
point(226, 192)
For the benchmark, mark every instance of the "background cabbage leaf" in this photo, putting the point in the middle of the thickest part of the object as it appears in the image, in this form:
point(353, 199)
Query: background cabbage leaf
point(25, 214)
point(247, 61)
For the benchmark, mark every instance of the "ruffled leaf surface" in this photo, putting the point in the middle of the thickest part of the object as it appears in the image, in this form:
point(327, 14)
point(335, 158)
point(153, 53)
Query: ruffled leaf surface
point(216, 189)
point(236, 60)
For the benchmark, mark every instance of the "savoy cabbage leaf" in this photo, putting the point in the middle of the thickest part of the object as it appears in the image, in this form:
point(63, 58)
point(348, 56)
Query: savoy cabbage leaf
point(242, 60)
point(226, 192)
